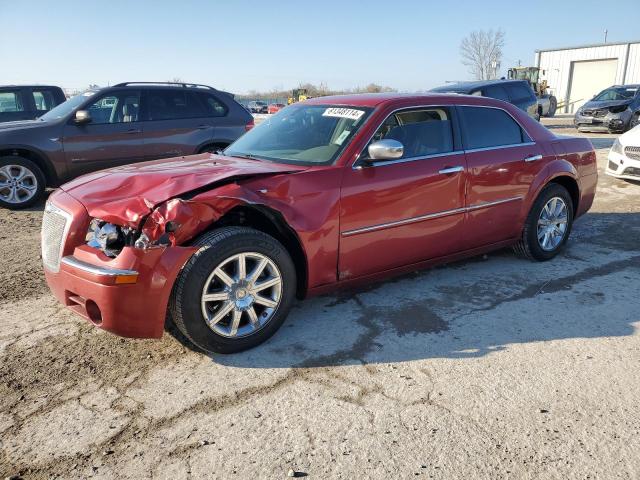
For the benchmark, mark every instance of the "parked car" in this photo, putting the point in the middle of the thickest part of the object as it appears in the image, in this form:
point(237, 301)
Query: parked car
point(624, 156)
point(26, 102)
point(258, 107)
point(615, 109)
point(516, 92)
point(126, 123)
point(327, 193)
point(275, 107)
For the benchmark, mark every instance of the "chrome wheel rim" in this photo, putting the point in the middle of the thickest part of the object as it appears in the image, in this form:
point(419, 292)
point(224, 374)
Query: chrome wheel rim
point(552, 224)
point(18, 184)
point(241, 295)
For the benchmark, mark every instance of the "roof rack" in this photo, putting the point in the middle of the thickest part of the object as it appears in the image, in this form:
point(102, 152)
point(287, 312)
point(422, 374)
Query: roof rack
point(184, 85)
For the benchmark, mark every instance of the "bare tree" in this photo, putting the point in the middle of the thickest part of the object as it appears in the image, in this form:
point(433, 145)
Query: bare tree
point(481, 51)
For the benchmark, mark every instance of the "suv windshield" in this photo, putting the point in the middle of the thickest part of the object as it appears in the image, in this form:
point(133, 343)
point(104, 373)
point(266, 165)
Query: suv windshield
point(304, 135)
point(617, 93)
point(65, 108)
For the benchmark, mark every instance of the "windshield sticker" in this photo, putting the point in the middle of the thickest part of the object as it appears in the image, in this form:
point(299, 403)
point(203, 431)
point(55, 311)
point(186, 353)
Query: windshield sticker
point(341, 138)
point(343, 113)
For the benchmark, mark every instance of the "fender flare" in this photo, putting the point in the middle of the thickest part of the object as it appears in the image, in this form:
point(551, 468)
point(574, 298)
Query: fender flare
point(53, 179)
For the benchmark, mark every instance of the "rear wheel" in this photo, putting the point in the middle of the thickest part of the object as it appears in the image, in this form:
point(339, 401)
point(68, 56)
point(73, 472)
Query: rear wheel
point(548, 224)
point(235, 291)
point(22, 183)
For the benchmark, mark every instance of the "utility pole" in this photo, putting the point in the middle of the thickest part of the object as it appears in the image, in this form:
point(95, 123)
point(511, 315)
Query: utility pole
point(605, 35)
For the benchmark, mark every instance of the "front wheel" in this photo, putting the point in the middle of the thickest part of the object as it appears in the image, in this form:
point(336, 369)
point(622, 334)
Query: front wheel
point(635, 121)
point(22, 183)
point(548, 224)
point(235, 291)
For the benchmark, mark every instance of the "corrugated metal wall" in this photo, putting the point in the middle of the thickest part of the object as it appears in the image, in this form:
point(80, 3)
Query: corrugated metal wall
point(557, 64)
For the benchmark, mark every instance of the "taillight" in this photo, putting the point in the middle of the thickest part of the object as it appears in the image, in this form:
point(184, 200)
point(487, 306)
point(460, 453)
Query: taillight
point(250, 125)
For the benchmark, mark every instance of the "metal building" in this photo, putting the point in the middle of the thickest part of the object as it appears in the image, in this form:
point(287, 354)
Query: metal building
point(576, 74)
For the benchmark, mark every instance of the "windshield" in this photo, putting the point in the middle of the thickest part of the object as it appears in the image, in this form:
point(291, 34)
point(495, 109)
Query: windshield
point(617, 93)
point(301, 134)
point(65, 108)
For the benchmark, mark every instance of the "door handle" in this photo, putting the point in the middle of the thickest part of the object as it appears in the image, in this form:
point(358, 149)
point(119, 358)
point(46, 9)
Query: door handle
point(133, 130)
point(533, 158)
point(448, 170)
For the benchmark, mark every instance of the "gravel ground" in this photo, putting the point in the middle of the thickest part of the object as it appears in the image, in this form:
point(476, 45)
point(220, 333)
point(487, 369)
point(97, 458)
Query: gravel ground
point(489, 368)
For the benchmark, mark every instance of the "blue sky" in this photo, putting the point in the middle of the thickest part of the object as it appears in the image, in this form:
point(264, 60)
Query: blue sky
point(244, 45)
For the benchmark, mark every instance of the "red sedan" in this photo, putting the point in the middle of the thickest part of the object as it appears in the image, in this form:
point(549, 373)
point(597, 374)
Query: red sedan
point(275, 107)
point(327, 193)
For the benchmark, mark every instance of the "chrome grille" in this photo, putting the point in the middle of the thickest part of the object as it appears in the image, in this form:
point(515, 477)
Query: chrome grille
point(55, 224)
point(632, 152)
point(595, 113)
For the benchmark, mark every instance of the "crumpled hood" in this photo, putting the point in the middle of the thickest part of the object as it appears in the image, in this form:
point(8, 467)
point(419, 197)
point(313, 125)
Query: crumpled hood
point(123, 195)
point(593, 104)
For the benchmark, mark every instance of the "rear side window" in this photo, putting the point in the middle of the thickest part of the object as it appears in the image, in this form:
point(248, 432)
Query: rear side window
point(490, 127)
point(422, 132)
point(44, 100)
point(10, 102)
point(213, 106)
point(496, 91)
point(519, 92)
point(173, 104)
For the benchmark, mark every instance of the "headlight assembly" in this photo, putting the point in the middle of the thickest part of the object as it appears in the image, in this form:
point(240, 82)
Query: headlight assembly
point(618, 108)
point(617, 147)
point(107, 237)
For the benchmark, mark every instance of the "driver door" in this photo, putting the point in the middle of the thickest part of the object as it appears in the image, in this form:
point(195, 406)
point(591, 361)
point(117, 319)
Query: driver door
point(114, 136)
point(399, 212)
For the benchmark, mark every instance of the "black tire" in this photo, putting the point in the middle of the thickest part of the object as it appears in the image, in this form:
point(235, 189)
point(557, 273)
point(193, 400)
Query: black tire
point(215, 247)
point(635, 120)
point(528, 246)
point(553, 106)
point(36, 179)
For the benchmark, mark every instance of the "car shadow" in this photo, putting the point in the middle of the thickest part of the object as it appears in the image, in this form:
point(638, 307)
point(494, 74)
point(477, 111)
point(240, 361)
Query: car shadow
point(468, 309)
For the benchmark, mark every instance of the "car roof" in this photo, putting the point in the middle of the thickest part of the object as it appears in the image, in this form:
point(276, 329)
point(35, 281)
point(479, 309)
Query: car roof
point(373, 99)
point(468, 86)
point(29, 86)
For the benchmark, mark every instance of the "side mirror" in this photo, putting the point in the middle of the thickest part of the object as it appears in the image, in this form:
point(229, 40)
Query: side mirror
point(387, 149)
point(82, 116)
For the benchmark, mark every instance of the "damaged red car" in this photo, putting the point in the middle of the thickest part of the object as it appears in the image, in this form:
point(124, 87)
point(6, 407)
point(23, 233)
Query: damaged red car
point(327, 193)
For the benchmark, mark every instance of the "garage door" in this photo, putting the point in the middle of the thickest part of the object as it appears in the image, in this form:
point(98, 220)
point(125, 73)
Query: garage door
point(588, 78)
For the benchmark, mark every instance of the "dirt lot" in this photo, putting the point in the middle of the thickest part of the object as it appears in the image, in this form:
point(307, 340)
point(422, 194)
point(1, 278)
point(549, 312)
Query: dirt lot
point(490, 368)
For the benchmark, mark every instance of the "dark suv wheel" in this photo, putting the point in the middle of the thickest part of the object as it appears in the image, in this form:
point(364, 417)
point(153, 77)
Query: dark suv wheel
point(235, 291)
point(22, 183)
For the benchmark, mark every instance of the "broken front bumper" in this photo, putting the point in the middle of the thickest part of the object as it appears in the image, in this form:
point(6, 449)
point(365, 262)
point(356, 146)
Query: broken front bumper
point(610, 122)
point(127, 295)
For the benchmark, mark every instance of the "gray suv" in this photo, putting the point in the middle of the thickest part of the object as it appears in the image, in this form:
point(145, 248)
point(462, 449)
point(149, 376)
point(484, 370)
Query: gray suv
point(127, 123)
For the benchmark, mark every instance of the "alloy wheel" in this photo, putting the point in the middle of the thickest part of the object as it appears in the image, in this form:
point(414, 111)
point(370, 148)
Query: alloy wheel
point(552, 224)
point(18, 184)
point(241, 295)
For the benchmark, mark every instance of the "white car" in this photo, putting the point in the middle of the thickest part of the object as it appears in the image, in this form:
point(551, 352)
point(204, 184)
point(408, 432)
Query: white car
point(624, 156)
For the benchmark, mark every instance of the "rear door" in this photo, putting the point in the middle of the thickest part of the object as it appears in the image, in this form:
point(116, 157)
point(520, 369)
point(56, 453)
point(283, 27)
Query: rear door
point(502, 161)
point(13, 105)
point(114, 136)
point(176, 122)
point(522, 96)
point(398, 212)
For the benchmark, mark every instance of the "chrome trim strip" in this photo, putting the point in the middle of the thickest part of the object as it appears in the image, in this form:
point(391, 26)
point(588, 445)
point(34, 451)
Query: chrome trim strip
point(430, 216)
point(446, 171)
point(478, 206)
point(72, 261)
point(533, 158)
point(409, 159)
point(499, 147)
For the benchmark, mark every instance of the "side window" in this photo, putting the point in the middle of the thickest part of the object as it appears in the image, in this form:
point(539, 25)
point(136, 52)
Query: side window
point(44, 100)
point(120, 107)
point(496, 91)
point(11, 102)
point(519, 93)
point(213, 106)
point(173, 104)
point(422, 132)
point(490, 127)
